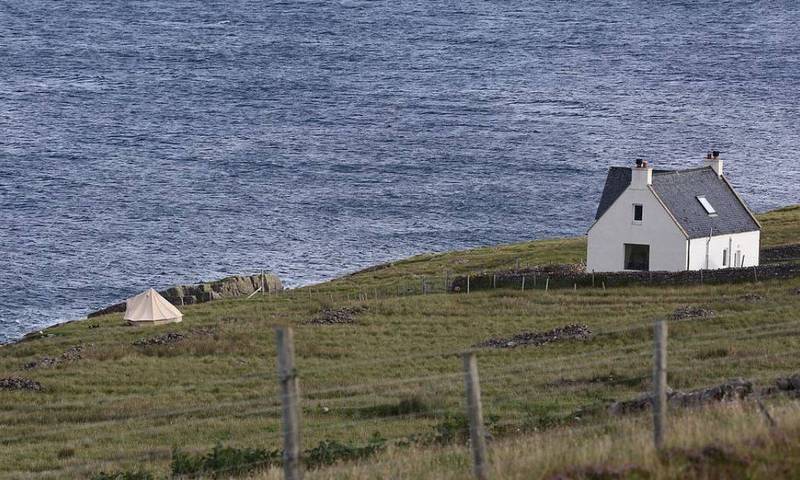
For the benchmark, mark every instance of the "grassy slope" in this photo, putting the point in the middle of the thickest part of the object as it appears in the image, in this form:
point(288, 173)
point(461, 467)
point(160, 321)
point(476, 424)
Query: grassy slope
point(124, 406)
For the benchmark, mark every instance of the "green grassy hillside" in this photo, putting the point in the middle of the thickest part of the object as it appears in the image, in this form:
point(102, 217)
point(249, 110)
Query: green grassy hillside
point(395, 371)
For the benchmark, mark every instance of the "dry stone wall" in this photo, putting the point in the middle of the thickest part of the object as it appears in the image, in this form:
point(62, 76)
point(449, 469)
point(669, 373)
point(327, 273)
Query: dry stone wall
point(570, 276)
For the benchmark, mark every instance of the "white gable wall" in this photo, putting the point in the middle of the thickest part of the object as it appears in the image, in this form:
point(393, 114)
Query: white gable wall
point(616, 227)
point(747, 245)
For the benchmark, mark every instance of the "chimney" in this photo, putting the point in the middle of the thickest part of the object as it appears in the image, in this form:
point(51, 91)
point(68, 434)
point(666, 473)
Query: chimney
point(714, 161)
point(641, 175)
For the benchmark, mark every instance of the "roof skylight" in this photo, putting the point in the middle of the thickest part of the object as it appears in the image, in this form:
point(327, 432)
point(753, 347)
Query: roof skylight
point(709, 209)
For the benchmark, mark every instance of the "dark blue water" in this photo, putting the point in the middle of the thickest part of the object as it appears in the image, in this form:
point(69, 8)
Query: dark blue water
point(153, 142)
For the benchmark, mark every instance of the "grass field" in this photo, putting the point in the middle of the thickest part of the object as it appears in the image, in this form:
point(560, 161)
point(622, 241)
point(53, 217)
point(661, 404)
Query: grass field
point(396, 372)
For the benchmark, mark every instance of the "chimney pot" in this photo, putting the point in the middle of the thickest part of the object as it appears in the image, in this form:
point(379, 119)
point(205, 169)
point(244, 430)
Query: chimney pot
point(714, 161)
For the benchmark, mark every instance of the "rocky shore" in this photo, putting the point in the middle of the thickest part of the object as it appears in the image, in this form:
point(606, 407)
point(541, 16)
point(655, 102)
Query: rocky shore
point(228, 287)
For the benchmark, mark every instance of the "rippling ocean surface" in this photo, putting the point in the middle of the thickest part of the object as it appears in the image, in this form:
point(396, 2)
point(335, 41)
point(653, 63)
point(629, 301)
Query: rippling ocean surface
point(155, 142)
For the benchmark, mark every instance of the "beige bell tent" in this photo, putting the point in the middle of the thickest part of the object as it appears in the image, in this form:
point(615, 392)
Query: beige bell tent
point(151, 308)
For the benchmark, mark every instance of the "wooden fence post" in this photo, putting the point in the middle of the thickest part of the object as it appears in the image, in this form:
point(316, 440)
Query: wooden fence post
point(547, 284)
point(475, 414)
point(287, 375)
point(467, 283)
point(660, 384)
point(494, 281)
point(523, 283)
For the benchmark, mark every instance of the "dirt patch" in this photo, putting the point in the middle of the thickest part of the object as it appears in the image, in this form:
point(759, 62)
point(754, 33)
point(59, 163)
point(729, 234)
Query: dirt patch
point(751, 297)
point(688, 311)
point(334, 316)
point(602, 472)
point(711, 461)
point(730, 391)
point(72, 354)
point(19, 383)
point(607, 379)
point(524, 339)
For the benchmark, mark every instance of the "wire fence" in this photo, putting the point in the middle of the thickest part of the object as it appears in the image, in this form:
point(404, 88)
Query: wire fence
point(342, 401)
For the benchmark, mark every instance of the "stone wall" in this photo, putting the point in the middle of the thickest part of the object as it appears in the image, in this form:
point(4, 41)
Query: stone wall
point(782, 253)
point(570, 276)
point(229, 287)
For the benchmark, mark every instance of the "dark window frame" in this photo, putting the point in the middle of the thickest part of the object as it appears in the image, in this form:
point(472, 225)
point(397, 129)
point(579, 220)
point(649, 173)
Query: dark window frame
point(636, 257)
point(638, 208)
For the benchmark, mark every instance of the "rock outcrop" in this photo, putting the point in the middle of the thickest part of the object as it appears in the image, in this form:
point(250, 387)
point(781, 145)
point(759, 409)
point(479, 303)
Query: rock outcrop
point(687, 311)
point(333, 316)
point(737, 389)
point(567, 332)
point(72, 354)
point(229, 287)
point(19, 383)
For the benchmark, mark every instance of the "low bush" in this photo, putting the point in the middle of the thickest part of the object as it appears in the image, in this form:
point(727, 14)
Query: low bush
point(223, 462)
point(226, 462)
point(136, 475)
point(412, 404)
point(329, 452)
point(454, 428)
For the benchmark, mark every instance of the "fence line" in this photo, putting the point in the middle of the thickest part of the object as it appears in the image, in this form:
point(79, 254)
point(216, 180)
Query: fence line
point(426, 378)
point(494, 375)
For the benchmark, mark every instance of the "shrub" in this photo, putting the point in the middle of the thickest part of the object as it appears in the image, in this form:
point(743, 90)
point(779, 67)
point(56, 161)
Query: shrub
point(454, 428)
point(412, 404)
point(66, 452)
point(329, 452)
point(223, 462)
point(136, 475)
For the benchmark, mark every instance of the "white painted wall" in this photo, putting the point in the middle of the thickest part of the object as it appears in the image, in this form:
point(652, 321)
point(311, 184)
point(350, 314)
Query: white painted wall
point(747, 244)
point(608, 236)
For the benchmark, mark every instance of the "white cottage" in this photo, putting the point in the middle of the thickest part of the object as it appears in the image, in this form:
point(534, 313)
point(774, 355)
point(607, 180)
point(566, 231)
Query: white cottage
point(671, 220)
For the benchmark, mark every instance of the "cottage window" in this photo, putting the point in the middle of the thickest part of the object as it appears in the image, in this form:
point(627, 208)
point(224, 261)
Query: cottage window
point(725, 258)
point(638, 213)
point(637, 257)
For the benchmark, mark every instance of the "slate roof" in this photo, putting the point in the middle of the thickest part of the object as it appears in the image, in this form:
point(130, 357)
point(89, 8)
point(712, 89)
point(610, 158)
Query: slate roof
point(678, 190)
point(617, 181)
